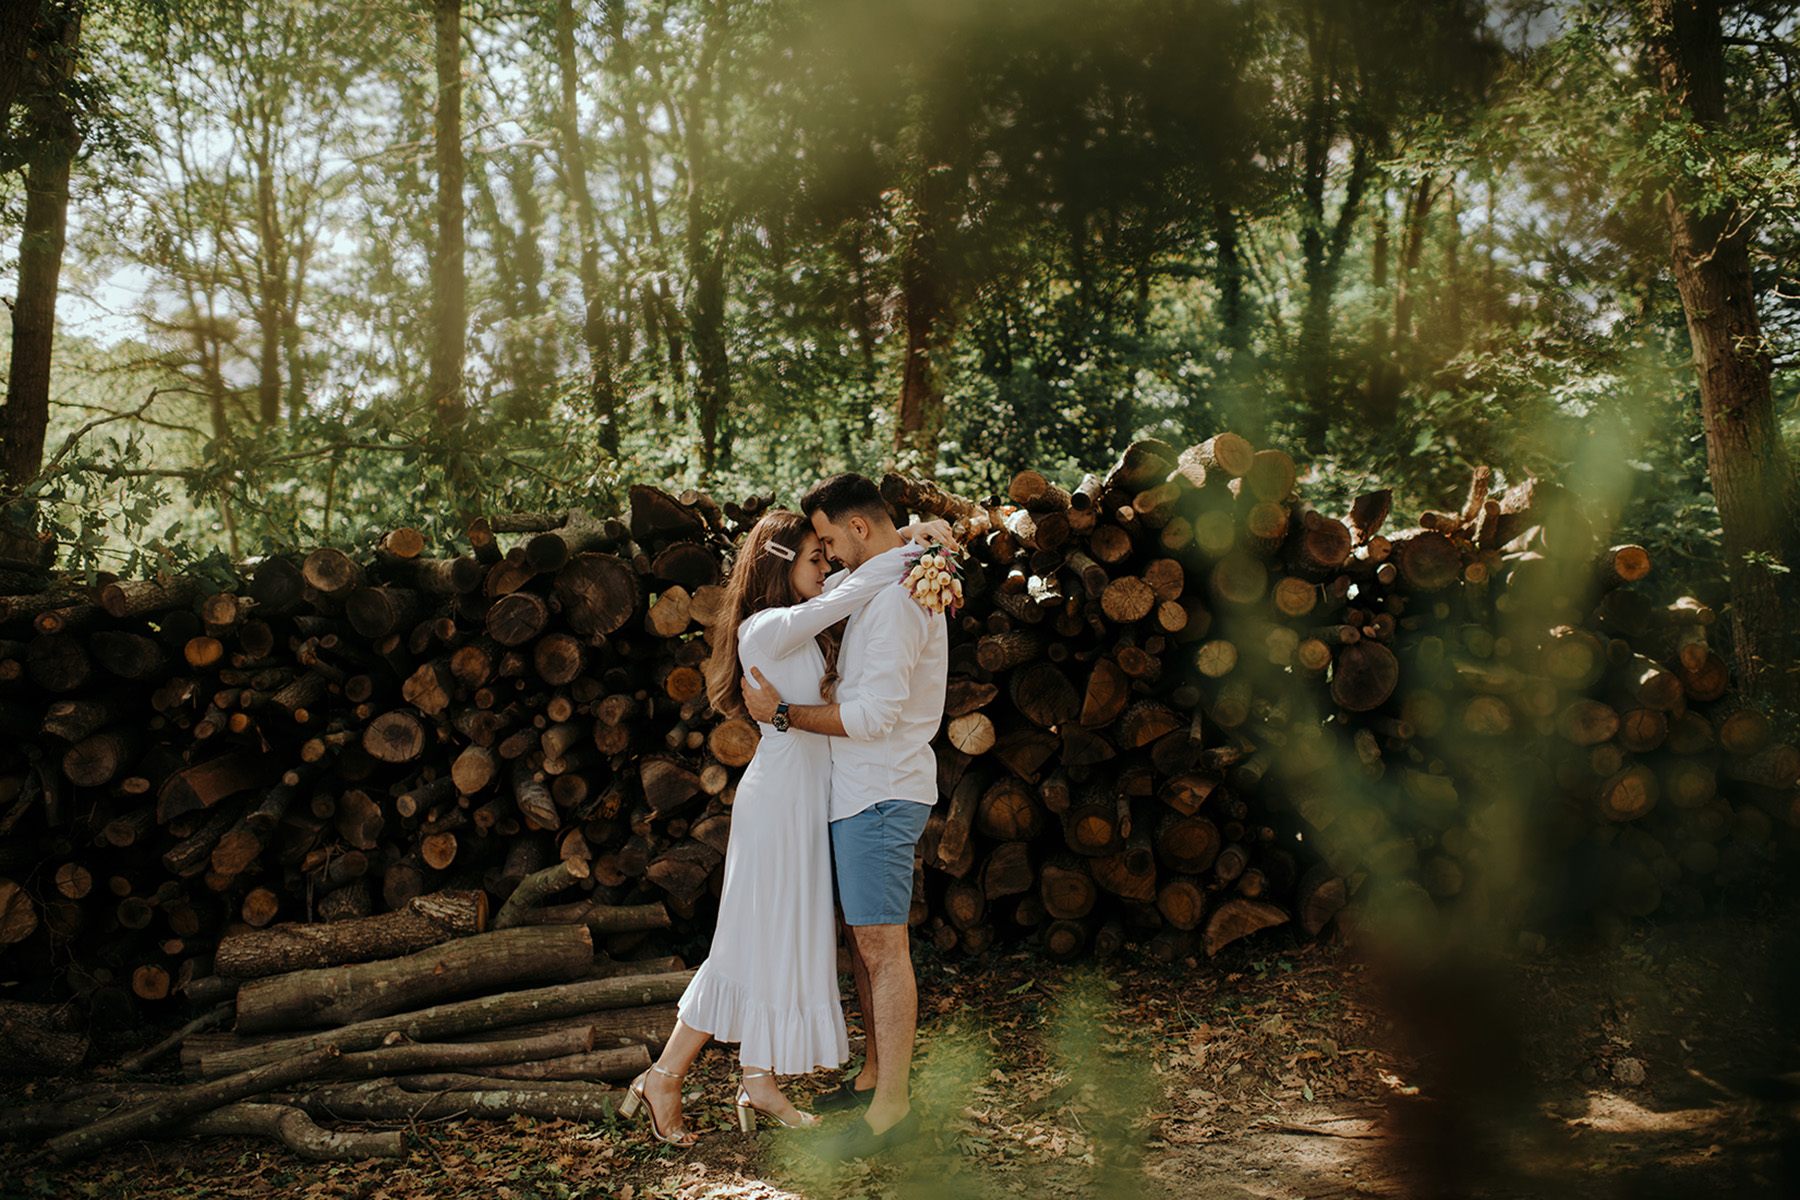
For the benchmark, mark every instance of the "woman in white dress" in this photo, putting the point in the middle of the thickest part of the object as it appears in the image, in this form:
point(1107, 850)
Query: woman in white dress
point(770, 983)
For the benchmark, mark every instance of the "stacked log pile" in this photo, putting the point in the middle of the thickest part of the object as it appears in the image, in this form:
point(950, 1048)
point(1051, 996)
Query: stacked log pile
point(1185, 705)
point(1558, 746)
point(1236, 711)
point(336, 738)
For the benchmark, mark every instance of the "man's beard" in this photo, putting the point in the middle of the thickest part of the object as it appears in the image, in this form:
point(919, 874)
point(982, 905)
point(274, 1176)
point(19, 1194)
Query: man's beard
point(854, 555)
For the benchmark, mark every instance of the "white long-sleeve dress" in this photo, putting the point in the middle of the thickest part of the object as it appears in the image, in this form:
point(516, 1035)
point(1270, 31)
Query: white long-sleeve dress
point(770, 982)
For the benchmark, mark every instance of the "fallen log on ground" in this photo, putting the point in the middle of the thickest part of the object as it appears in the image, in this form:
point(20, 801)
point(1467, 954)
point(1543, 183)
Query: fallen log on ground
point(462, 1017)
point(423, 921)
point(485, 962)
point(472, 1096)
point(290, 1126)
point(174, 1108)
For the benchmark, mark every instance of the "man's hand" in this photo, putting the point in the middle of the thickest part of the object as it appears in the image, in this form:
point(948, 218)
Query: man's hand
point(931, 531)
point(760, 697)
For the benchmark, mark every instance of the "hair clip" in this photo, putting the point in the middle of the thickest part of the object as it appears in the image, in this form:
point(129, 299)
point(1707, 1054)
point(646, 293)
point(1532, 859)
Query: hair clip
point(780, 551)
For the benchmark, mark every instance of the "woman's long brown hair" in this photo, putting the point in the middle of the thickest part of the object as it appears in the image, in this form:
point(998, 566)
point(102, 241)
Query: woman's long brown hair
point(759, 580)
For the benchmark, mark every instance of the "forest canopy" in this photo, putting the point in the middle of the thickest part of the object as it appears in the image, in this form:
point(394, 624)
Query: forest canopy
point(333, 268)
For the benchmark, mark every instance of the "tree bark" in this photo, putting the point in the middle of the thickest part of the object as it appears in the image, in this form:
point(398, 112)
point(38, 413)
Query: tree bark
point(55, 140)
point(16, 21)
point(172, 1109)
point(358, 992)
point(706, 248)
point(476, 1098)
point(1324, 240)
point(217, 1015)
point(448, 286)
point(37, 1039)
point(426, 921)
point(272, 289)
point(464, 1016)
point(1231, 275)
point(290, 1126)
point(926, 300)
point(618, 1063)
point(1752, 478)
point(298, 1132)
point(601, 918)
point(408, 1057)
point(596, 332)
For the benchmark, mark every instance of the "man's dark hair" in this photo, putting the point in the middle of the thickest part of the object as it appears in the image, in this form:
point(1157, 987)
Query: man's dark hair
point(844, 496)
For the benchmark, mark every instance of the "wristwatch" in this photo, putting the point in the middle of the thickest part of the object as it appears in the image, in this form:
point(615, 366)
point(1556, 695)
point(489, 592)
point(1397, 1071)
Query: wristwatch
point(780, 719)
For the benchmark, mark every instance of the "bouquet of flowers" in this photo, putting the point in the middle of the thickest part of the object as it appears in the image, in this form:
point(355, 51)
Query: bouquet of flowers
point(935, 580)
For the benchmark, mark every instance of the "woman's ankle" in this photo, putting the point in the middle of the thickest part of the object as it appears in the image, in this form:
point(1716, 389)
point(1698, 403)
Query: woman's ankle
point(764, 1093)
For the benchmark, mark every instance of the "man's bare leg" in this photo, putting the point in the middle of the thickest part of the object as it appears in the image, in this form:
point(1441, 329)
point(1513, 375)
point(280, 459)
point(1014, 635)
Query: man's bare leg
point(890, 1017)
point(859, 973)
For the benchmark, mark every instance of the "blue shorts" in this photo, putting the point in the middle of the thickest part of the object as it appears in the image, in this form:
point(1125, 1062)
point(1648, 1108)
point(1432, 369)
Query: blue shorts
point(872, 860)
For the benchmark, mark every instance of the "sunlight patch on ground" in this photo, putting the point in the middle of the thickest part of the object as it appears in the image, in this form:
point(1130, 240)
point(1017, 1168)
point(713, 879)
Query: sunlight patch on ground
point(1608, 1113)
point(1396, 1084)
point(697, 1182)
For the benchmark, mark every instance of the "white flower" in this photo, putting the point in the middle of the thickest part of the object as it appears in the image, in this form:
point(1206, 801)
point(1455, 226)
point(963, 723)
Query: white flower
point(934, 580)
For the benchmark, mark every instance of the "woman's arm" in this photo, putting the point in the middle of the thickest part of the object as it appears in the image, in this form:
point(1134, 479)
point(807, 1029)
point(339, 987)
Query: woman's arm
point(779, 632)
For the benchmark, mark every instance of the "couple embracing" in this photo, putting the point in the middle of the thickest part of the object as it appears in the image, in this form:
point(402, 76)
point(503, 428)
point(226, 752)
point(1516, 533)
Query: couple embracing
point(829, 810)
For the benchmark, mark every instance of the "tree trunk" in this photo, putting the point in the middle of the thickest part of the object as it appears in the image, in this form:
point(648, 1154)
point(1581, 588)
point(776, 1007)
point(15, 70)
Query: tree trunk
point(55, 140)
point(603, 388)
point(290, 337)
point(926, 303)
point(1231, 275)
point(16, 21)
point(448, 299)
point(272, 299)
point(1323, 241)
point(1751, 476)
point(708, 239)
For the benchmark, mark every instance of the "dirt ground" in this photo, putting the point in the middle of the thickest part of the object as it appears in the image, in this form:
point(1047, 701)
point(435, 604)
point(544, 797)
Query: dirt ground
point(1281, 1070)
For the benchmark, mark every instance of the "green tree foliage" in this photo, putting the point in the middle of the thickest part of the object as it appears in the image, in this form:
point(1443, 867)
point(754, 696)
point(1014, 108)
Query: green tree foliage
point(1687, 123)
point(748, 244)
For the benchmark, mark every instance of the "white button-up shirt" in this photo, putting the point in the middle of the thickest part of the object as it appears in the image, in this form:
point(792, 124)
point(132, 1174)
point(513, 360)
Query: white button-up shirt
point(893, 667)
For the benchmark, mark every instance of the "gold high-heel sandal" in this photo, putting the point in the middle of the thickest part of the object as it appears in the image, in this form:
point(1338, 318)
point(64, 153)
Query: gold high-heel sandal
point(636, 1099)
point(747, 1110)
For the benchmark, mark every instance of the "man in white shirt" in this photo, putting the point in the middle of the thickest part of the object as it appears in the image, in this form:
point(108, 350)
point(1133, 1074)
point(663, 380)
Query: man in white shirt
point(893, 667)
